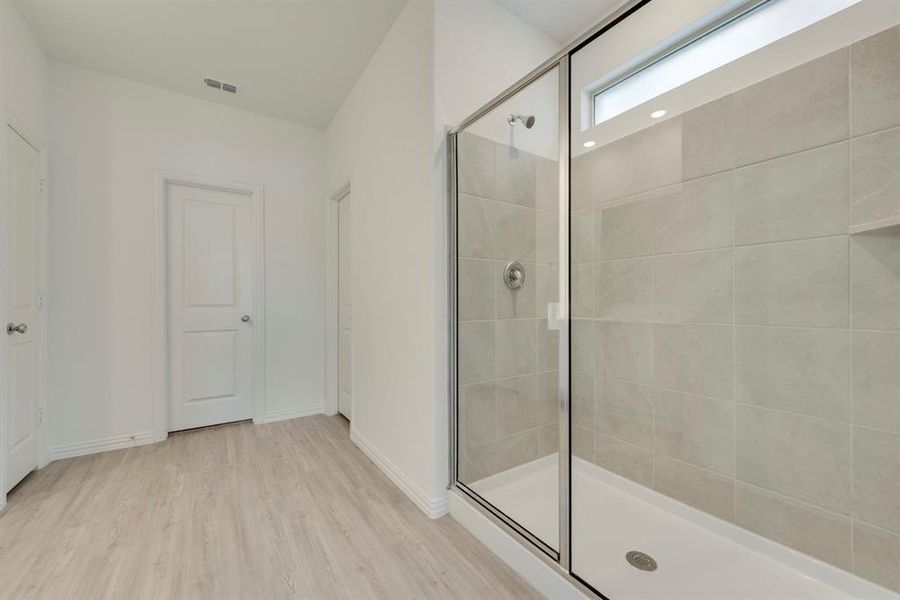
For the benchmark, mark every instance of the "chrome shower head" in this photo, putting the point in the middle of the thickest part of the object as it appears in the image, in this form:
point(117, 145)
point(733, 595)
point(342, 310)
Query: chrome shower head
point(528, 120)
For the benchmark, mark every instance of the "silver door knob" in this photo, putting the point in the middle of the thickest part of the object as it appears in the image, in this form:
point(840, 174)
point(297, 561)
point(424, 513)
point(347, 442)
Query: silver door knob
point(20, 328)
point(245, 318)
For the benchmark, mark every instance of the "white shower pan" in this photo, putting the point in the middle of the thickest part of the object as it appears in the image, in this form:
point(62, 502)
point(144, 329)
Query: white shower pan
point(699, 556)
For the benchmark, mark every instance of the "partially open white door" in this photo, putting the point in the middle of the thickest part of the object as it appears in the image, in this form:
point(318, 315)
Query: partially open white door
point(23, 290)
point(345, 312)
point(211, 283)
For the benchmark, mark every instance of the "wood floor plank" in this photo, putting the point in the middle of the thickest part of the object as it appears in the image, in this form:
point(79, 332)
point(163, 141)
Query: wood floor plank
point(284, 510)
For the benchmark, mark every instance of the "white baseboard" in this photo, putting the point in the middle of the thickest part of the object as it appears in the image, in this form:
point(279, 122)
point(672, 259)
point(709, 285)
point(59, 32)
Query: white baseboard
point(541, 576)
point(432, 507)
point(112, 443)
point(149, 437)
point(292, 413)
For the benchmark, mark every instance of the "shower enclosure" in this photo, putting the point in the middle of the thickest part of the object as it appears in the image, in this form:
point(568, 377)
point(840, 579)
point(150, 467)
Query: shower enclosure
point(675, 303)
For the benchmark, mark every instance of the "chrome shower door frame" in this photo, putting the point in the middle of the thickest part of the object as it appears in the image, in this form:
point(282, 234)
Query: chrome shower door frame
point(556, 557)
point(561, 559)
point(563, 313)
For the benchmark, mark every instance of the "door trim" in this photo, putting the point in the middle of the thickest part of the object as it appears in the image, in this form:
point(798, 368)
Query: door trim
point(332, 269)
point(10, 120)
point(160, 391)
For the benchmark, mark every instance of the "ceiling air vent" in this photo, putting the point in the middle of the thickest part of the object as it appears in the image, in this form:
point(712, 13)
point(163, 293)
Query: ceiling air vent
point(225, 87)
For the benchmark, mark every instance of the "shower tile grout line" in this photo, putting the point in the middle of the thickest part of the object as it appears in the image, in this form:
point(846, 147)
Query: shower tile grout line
point(734, 369)
point(510, 203)
point(734, 400)
point(850, 319)
point(644, 389)
point(731, 247)
point(625, 199)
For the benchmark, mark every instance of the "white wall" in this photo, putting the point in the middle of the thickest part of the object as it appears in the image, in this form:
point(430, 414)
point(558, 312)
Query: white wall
point(435, 66)
point(23, 78)
point(23, 100)
point(480, 50)
point(382, 140)
point(108, 137)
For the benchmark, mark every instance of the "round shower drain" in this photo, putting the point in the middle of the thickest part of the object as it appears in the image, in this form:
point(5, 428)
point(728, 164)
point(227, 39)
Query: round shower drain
point(640, 560)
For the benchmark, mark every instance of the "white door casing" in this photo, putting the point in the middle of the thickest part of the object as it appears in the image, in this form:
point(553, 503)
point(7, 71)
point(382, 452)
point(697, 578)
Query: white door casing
point(24, 254)
point(211, 283)
point(345, 310)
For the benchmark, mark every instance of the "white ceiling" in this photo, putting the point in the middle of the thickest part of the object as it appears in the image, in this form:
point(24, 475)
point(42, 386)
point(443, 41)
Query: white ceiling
point(561, 20)
point(291, 59)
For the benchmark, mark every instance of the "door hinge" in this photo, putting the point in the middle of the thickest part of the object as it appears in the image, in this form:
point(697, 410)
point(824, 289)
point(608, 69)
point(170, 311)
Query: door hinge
point(41, 186)
point(40, 416)
point(41, 302)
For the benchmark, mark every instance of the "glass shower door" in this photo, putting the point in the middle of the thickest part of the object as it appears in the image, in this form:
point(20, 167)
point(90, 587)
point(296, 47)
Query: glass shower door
point(507, 218)
point(736, 302)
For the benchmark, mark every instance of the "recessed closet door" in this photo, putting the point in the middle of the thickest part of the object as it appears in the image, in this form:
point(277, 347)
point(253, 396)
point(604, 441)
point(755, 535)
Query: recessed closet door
point(22, 323)
point(211, 282)
point(345, 312)
point(507, 304)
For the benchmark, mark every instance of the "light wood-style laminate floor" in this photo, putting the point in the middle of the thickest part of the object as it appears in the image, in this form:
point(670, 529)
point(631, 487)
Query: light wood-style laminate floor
point(284, 510)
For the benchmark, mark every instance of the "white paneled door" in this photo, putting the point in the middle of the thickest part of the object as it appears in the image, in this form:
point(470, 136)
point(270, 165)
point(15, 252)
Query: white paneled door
point(23, 280)
point(345, 312)
point(211, 312)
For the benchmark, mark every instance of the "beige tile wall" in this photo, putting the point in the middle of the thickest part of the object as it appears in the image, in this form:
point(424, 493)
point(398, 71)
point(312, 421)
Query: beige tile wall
point(734, 347)
point(508, 210)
